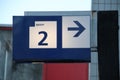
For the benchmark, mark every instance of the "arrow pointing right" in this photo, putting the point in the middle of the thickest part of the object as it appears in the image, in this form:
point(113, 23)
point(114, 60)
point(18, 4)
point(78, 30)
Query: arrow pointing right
point(80, 29)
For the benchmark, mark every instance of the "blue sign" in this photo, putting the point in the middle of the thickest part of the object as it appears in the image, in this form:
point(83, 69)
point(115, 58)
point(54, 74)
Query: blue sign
point(51, 38)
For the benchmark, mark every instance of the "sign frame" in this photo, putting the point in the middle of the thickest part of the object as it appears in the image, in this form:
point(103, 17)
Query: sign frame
point(31, 57)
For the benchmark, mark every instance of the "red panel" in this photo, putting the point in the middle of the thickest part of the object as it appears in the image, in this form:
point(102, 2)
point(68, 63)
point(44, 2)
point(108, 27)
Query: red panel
point(65, 71)
point(5, 28)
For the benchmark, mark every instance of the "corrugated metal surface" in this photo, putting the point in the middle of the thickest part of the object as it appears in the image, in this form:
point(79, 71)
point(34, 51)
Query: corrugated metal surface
point(5, 40)
point(14, 71)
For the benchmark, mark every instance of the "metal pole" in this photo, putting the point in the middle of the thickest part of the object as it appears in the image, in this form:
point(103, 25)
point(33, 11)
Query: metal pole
point(6, 62)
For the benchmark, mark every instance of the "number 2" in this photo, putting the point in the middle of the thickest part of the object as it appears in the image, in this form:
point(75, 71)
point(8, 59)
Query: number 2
point(41, 43)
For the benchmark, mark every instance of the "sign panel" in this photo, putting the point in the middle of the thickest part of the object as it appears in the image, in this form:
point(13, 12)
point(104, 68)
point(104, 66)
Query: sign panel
point(43, 35)
point(51, 38)
point(66, 71)
point(76, 31)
